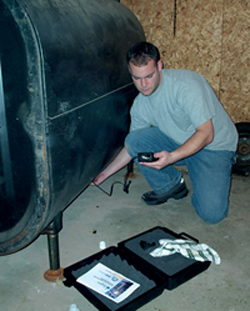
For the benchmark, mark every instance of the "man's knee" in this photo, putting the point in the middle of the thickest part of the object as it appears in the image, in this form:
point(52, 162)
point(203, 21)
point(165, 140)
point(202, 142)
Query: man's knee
point(212, 211)
point(135, 142)
point(129, 139)
point(129, 143)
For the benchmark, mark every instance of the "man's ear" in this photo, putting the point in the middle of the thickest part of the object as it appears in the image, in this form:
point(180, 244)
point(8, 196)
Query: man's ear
point(160, 65)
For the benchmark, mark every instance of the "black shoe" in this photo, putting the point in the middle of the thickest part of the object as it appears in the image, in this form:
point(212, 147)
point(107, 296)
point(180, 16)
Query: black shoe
point(179, 191)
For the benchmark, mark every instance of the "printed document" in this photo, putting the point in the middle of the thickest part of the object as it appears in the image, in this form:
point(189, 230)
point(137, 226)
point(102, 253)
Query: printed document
point(108, 283)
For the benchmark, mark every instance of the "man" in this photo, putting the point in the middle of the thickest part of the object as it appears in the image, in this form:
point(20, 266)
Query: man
point(178, 117)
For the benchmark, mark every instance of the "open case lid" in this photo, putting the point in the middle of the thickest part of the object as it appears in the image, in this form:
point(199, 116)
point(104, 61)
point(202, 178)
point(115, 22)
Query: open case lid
point(132, 259)
point(176, 269)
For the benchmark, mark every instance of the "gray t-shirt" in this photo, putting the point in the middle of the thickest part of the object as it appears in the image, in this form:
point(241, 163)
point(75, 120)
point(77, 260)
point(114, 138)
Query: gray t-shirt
point(183, 101)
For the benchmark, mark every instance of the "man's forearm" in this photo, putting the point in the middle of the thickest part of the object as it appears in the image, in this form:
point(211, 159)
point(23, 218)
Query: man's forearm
point(122, 159)
point(200, 139)
point(119, 162)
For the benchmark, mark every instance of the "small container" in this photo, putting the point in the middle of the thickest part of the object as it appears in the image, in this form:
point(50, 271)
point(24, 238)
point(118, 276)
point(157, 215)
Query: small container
point(73, 307)
point(102, 245)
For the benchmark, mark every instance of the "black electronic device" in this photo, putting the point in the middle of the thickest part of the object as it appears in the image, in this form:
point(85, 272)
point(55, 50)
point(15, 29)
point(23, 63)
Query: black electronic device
point(146, 157)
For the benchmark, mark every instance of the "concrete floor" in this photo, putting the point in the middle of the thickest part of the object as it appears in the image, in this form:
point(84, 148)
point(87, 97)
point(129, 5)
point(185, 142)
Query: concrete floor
point(94, 217)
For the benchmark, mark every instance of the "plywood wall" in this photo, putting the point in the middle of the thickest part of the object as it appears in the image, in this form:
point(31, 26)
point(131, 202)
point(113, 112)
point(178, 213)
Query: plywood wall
point(235, 64)
point(210, 37)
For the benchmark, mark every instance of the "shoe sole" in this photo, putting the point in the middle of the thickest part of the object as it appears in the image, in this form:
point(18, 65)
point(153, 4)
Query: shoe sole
point(177, 196)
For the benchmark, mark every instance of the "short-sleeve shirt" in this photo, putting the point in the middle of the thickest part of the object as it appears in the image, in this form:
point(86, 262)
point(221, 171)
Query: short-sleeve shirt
point(183, 101)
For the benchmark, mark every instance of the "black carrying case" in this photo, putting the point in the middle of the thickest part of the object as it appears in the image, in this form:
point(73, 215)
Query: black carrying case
point(132, 259)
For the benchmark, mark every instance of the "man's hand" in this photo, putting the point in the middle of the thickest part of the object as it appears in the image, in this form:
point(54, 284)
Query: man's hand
point(203, 136)
point(99, 179)
point(122, 159)
point(164, 159)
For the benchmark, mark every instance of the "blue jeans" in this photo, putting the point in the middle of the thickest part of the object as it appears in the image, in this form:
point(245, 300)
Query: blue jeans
point(209, 171)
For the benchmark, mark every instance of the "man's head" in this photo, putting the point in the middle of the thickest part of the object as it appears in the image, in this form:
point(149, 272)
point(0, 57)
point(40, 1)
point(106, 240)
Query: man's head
point(145, 67)
point(140, 53)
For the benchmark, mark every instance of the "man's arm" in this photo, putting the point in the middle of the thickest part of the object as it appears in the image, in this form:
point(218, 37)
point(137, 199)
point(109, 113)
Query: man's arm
point(203, 136)
point(122, 159)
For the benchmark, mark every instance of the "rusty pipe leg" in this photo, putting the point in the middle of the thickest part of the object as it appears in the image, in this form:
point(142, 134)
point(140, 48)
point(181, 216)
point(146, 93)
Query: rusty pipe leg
point(130, 170)
point(55, 272)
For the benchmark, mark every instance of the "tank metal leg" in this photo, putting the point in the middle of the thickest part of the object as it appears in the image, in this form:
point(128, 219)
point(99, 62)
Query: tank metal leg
point(55, 272)
point(130, 170)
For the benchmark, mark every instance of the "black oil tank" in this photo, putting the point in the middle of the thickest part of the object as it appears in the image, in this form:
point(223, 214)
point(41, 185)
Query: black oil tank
point(65, 95)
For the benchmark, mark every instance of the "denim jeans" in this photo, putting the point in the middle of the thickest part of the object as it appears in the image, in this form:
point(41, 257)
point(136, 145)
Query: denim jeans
point(209, 172)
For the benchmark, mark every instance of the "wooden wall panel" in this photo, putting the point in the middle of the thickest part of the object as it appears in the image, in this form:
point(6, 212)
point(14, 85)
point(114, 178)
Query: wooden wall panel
point(235, 68)
point(156, 18)
point(197, 41)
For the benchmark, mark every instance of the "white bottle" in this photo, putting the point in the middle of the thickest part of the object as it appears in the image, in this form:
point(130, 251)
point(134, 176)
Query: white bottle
point(73, 307)
point(102, 245)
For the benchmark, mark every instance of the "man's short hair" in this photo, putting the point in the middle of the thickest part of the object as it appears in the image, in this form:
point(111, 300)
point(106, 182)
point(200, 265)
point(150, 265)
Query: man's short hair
point(140, 53)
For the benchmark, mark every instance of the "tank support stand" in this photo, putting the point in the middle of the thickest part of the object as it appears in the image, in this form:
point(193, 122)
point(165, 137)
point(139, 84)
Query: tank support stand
point(130, 170)
point(55, 272)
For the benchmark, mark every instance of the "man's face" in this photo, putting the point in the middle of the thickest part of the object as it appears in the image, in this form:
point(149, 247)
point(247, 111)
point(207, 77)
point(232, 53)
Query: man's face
point(146, 78)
